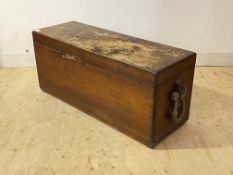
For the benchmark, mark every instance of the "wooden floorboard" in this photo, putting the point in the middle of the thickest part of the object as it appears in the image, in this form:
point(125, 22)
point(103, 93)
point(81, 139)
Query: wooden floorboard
point(41, 135)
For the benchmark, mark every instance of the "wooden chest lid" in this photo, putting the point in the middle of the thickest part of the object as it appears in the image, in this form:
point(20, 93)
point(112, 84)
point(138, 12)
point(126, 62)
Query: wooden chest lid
point(147, 55)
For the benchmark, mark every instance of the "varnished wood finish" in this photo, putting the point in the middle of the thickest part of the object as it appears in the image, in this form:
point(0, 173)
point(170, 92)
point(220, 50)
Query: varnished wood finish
point(121, 80)
point(139, 53)
point(163, 124)
point(109, 96)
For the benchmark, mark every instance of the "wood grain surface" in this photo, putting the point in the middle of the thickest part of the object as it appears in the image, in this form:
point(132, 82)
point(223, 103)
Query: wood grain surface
point(115, 77)
point(41, 135)
point(118, 47)
point(117, 100)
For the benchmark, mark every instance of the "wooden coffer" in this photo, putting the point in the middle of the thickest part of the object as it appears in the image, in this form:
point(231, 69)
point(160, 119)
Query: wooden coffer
point(139, 87)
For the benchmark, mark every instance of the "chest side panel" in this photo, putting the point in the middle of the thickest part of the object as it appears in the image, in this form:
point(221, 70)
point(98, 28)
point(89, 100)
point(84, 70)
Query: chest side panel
point(170, 112)
point(124, 103)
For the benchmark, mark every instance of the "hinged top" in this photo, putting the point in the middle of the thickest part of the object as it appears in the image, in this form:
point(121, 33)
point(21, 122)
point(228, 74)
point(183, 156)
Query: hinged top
point(144, 54)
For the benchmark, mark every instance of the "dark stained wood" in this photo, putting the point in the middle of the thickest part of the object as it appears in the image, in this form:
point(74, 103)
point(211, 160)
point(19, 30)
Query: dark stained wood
point(123, 81)
point(163, 124)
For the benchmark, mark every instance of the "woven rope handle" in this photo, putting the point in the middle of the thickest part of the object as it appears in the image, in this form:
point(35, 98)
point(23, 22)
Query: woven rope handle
point(178, 104)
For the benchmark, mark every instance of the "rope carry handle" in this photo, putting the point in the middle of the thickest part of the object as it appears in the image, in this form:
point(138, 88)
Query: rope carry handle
point(178, 104)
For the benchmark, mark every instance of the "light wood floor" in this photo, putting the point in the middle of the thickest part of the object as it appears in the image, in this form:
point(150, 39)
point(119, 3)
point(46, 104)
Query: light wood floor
point(40, 134)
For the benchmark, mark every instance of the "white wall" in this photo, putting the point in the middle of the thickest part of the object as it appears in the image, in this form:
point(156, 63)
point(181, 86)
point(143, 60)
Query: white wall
point(204, 26)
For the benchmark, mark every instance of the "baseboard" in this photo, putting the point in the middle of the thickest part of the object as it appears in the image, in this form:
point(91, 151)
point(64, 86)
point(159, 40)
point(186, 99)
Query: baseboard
point(17, 60)
point(214, 59)
point(28, 59)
